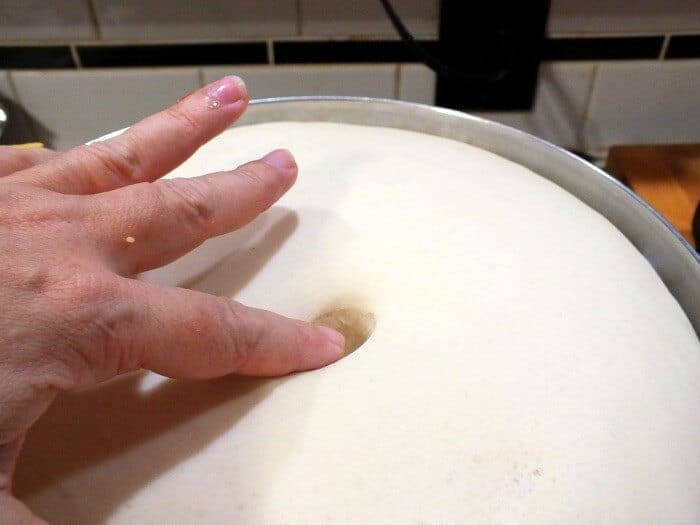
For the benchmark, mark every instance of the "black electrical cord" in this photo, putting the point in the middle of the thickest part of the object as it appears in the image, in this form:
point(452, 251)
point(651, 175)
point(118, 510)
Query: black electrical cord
point(434, 63)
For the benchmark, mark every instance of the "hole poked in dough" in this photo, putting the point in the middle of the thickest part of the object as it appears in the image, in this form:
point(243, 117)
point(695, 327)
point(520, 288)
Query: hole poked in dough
point(354, 323)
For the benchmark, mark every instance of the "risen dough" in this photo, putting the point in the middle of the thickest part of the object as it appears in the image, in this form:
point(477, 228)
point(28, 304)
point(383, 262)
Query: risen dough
point(527, 365)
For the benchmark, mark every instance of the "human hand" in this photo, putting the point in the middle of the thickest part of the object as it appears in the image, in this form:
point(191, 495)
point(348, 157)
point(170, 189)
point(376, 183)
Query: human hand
point(77, 227)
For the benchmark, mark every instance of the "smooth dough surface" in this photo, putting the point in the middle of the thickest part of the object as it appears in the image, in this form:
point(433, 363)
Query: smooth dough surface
point(527, 364)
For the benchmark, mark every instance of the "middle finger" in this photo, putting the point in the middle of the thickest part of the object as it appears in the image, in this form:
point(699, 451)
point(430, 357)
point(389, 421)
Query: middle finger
point(148, 225)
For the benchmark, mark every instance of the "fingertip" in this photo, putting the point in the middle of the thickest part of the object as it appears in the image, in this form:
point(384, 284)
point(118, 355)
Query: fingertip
point(333, 344)
point(226, 91)
point(281, 159)
point(333, 337)
point(243, 89)
point(284, 167)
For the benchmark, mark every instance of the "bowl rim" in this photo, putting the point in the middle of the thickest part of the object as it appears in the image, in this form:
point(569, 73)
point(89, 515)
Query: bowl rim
point(492, 123)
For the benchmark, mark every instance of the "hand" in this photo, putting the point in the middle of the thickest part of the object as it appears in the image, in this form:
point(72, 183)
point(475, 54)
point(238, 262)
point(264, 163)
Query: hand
point(76, 227)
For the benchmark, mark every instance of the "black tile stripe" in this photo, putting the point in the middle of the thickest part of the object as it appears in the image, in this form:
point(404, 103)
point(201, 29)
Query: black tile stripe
point(173, 55)
point(35, 57)
point(624, 48)
point(321, 52)
point(352, 51)
point(686, 46)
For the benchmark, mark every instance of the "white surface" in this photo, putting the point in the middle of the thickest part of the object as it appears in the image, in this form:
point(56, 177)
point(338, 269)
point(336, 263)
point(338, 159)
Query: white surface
point(45, 20)
point(644, 102)
point(298, 80)
point(600, 17)
point(182, 19)
point(76, 106)
point(367, 17)
point(528, 365)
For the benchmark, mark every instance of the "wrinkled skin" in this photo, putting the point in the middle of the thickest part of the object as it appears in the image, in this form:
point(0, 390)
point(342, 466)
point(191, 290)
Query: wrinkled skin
point(76, 227)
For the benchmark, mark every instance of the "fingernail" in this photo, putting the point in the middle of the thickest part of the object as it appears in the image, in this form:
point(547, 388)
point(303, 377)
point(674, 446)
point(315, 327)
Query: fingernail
point(227, 90)
point(281, 159)
point(336, 339)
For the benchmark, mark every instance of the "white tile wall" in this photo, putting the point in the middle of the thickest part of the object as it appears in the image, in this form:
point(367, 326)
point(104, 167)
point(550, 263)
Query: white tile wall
point(5, 87)
point(644, 102)
point(367, 17)
point(45, 20)
point(189, 19)
point(581, 105)
point(76, 106)
point(214, 19)
point(416, 84)
point(558, 111)
point(598, 17)
point(372, 80)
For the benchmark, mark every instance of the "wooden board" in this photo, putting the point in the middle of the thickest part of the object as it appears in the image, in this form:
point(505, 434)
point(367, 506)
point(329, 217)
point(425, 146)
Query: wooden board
point(666, 176)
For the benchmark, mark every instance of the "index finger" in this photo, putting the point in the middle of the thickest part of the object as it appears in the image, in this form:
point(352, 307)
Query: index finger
point(147, 150)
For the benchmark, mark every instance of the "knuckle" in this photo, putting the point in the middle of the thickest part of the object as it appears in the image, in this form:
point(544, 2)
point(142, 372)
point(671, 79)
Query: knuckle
point(121, 160)
point(193, 200)
point(99, 320)
point(306, 338)
point(77, 285)
point(114, 351)
point(263, 177)
point(243, 335)
point(26, 207)
point(95, 326)
point(183, 118)
point(296, 344)
point(257, 174)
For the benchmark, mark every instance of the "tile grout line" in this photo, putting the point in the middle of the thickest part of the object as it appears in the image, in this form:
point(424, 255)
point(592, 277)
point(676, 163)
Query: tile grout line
point(100, 42)
point(75, 56)
point(397, 81)
point(270, 52)
point(193, 41)
point(664, 46)
point(300, 17)
point(587, 113)
point(577, 35)
point(93, 19)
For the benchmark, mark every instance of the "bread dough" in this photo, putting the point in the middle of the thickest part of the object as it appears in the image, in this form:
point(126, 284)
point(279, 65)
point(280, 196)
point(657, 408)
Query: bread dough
point(527, 364)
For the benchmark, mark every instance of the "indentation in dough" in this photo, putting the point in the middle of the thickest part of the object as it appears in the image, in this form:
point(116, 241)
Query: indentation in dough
point(354, 323)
